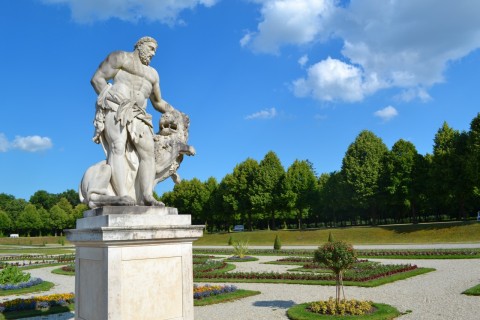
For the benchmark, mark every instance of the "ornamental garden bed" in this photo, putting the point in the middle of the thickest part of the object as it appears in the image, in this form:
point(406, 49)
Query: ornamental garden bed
point(379, 312)
point(364, 274)
point(58, 303)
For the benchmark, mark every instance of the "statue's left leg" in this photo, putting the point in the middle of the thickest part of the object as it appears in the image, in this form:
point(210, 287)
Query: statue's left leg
point(146, 169)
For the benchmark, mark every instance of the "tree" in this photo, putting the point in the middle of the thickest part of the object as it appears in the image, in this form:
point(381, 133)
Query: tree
point(243, 188)
point(29, 219)
point(399, 165)
point(5, 222)
point(44, 199)
point(361, 168)
point(443, 175)
point(71, 195)
point(191, 196)
point(473, 160)
point(267, 186)
point(338, 256)
point(59, 219)
point(300, 187)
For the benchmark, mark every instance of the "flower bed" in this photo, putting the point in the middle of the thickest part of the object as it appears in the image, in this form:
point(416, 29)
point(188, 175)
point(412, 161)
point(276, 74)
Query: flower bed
point(201, 292)
point(356, 276)
point(26, 284)
point(37, 303)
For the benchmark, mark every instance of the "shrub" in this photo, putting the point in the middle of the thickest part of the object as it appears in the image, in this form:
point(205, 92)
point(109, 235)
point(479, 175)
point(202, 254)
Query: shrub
point(345, 307)
point(277, 245)
point(230, 241)
point(13, 275)
point(240, 248)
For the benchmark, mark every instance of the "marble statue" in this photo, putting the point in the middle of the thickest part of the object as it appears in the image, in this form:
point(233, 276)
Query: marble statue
point(136, 158)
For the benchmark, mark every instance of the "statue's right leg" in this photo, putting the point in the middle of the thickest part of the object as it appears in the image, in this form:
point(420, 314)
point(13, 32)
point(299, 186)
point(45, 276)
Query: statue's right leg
point(116, 136)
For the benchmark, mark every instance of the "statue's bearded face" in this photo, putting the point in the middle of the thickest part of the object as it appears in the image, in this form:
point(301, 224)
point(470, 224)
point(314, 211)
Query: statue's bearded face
point(146, 51)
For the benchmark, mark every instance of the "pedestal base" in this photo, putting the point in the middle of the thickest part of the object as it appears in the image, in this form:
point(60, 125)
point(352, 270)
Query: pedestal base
point(132, 265)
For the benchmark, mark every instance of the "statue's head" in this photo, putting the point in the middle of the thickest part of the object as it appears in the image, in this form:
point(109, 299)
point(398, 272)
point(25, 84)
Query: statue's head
point(146, 47)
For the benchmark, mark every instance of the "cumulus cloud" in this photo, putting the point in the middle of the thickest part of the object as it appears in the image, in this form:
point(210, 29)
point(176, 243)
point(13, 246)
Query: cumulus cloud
point(28, 143)
point(288, 22)
point(333, 80)
point(387, 113)
point(88, 11)
point(264, 114)
point(405, 44)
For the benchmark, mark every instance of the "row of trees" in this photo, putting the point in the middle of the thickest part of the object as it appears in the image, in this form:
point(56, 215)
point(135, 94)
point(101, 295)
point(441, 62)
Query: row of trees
point(375, 185)
point(44, 214)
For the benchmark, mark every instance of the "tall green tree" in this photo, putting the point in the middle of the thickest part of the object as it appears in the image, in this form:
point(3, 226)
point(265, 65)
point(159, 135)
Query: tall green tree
point(191, 196)
point(59, 219)
point(473, 161)
point(300, 189)
point(5, 222)
point(361, 168)
point(443, 174)
point(268, 188)
point(71, 195)
point(44, 199)
point(29, 220)
point(243, 188)
point(399, 167)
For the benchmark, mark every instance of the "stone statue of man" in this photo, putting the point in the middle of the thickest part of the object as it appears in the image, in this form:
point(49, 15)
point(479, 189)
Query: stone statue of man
point(124, 82)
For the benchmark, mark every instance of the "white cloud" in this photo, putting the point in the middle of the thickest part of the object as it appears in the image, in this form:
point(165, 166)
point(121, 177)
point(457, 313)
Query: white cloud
point(303, 60)
point(264, 114)
point(405, 44)
point(288, 22)
point(165, 11)
point(4, 144)
point(387, 113)
point(31, 143)
point(333, 80)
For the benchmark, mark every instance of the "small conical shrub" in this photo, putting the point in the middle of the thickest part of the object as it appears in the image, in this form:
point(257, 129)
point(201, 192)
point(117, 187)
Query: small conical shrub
point(230, 241)
point(277, 245)
point(330, 237)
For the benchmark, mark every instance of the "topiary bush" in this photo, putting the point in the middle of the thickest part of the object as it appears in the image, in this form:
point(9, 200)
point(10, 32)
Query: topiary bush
point(338, 256)
point(277, 244)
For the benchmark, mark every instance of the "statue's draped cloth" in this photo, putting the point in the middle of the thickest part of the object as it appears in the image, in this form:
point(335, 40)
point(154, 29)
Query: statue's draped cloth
point(130, 116)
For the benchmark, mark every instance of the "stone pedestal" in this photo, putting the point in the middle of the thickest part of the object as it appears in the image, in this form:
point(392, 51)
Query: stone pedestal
point(134, 263)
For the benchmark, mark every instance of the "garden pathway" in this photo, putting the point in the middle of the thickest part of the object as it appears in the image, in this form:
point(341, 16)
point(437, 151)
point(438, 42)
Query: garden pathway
point(432, 296)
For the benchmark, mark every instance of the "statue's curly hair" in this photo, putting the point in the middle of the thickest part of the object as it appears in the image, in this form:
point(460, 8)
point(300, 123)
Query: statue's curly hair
point(142, 40)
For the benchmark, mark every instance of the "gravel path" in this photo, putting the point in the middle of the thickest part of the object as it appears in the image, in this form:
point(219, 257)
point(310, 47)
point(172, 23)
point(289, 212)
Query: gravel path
point(435, 295)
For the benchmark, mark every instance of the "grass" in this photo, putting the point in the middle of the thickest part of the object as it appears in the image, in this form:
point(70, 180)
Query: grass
point(237, 259)
point(382, 312)
point(36, 313)
point(44, 286)
point(474, 291)
point(225, 297)
point(447, 232)
point(62, 272)
point(39, 250)
point(35, 241)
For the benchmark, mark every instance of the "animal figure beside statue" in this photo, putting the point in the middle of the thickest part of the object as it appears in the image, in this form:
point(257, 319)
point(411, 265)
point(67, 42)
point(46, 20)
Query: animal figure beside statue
point(170, 142)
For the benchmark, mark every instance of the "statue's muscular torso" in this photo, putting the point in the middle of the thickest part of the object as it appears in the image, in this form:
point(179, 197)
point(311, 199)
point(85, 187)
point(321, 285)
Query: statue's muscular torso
point(131, 79)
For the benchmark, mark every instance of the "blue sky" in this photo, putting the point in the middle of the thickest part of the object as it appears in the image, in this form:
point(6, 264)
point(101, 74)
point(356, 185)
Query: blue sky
point(299, 77)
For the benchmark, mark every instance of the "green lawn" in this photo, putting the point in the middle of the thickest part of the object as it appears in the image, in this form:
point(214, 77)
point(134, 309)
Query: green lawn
point(449, 232)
